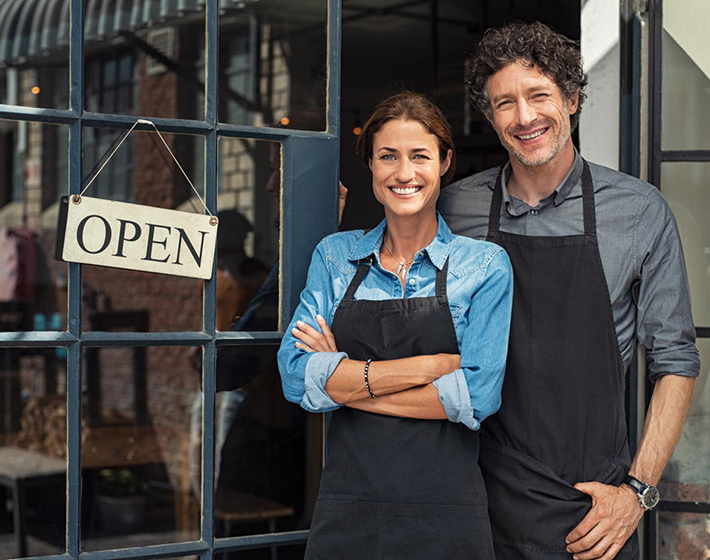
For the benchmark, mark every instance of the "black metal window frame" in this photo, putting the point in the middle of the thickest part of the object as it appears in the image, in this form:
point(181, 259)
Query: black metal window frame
point(656, 157)
point(309, 159)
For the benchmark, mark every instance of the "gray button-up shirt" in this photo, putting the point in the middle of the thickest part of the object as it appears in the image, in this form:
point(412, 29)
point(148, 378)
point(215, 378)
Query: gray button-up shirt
point(639, 246)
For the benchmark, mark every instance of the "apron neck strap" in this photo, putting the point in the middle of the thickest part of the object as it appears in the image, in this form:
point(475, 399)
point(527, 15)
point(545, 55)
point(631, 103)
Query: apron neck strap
point(590, 222)
point(362, 269)
point(441, 279)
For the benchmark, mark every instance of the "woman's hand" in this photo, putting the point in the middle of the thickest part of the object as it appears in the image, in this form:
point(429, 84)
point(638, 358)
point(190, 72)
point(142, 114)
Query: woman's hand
point(311, 340)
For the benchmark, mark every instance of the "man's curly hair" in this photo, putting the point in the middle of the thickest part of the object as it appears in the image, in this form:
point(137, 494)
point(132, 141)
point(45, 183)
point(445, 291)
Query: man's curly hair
point(535, 45)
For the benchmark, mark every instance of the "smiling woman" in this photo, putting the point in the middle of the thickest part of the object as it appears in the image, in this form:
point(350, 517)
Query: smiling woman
point(383, 338)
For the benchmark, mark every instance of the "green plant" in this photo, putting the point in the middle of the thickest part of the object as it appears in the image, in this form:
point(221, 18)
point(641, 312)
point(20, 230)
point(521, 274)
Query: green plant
point(121, 482)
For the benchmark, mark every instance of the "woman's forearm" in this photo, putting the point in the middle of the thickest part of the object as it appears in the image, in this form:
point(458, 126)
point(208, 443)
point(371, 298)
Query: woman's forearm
point(347, 383)
point(418, 402)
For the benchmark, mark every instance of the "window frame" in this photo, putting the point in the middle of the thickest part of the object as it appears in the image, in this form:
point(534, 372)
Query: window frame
point(309, 160)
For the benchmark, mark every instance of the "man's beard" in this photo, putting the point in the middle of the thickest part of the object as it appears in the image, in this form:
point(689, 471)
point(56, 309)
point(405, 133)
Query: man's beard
point(543, 157)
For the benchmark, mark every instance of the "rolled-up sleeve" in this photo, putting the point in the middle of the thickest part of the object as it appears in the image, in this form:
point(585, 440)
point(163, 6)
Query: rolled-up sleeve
point(472, 392)
point(304, 374)
point(664, 319)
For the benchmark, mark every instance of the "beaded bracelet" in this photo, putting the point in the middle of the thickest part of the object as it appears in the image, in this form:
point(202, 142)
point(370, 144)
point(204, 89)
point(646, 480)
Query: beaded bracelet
point(367, 380)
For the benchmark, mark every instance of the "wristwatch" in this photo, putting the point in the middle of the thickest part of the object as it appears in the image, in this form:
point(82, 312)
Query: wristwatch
point(648, 495)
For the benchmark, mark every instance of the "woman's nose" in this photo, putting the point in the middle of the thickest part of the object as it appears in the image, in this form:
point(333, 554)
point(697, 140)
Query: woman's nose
point(405, 171)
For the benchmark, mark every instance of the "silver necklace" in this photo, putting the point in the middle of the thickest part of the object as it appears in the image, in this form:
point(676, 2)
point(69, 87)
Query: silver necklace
point(402, 268)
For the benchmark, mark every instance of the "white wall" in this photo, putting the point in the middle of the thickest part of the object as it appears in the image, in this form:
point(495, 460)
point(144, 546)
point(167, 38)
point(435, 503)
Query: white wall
point(599, 123)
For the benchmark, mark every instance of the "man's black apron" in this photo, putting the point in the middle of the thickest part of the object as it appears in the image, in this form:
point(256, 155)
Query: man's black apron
point(562, 418)
point(398, 488)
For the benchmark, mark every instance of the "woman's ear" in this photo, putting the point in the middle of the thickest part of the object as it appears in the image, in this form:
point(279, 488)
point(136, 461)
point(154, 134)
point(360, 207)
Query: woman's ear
point(446, 163)
point(369, 163)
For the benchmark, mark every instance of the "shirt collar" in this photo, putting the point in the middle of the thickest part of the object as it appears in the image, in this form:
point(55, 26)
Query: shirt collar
point(437, 251)
point(516, 207)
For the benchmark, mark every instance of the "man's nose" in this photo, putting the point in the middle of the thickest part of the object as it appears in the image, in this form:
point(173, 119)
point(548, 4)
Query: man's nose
point(526, 113)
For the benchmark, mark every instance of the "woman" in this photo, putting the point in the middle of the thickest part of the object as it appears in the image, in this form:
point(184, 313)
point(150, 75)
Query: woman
point(403, 332)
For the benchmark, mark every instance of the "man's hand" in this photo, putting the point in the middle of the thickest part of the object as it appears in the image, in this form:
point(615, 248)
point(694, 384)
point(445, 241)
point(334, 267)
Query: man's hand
point(614, 516)
point(342, 199)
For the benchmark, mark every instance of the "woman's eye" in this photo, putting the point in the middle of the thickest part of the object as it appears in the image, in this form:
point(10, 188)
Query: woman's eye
point(388, 157)
point(421, 157)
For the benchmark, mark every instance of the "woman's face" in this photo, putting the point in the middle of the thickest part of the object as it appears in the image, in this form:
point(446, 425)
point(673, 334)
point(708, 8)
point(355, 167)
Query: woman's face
point(406, 169)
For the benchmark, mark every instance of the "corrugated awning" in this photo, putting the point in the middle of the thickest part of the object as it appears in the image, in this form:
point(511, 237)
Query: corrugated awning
point(32, 28)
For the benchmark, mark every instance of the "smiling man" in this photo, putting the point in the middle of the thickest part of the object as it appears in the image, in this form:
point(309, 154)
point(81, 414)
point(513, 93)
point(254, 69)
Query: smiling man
point(598, 265)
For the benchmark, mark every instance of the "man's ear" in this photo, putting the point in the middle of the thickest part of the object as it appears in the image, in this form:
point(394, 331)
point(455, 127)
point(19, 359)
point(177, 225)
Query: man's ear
point(573, 103)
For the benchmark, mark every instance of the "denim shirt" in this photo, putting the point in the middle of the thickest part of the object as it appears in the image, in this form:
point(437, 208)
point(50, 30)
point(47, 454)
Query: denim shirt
point(480, 291)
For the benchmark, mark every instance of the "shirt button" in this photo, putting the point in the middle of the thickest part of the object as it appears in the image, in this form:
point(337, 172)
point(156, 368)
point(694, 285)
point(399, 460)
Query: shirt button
point(533, 212)
point(412, 281)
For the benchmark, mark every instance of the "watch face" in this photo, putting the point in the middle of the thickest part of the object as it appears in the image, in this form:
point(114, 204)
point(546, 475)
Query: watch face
point(650, 498)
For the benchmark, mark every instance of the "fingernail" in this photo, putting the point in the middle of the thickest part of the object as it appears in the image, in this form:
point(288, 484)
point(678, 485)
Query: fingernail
point(295, 331)
point(319, 317)
point(299, 323)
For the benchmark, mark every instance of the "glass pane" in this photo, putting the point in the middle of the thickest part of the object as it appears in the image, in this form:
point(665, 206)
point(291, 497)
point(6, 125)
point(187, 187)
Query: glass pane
point(141, 446)
point(687, 477)
point(273, 63)
point(687, 188)
point(686, 80)
point(34, 53)
point(145, 58)
point(292, 552)
point(247, 246)
point(32, 451)
point(683, 536)
point(267, 450)
point(33, 176)
point(143, 172)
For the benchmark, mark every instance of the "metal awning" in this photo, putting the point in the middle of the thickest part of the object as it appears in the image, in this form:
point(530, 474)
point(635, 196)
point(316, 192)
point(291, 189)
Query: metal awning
point(32, 28)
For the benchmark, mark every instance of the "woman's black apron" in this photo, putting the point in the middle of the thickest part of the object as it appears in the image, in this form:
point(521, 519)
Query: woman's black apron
point(562, 418)
point(398, 488)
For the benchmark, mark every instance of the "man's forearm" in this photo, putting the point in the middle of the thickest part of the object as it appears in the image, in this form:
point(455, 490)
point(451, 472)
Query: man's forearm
point(664, 424)
point(347, 383)
point(418, 402)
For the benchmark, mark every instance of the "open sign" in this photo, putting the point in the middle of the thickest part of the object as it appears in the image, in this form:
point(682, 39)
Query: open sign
point(131, 236)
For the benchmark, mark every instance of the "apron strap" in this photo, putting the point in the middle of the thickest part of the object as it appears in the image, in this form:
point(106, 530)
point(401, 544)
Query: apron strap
point(362, 269)
point(494, 213)
point(441, 280)
point(590, 221)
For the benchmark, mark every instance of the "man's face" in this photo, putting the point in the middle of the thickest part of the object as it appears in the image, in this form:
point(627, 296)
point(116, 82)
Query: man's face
point(529, 113)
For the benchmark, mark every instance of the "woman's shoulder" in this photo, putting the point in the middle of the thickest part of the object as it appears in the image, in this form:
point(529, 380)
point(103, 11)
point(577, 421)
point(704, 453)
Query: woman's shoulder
point(468, 255)
point(336, 248)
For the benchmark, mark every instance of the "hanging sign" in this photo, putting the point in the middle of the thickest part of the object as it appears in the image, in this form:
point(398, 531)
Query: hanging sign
point(121, 235)
point(135, 237)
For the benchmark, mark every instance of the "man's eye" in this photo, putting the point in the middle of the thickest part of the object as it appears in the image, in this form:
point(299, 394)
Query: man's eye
point(502, 104)
point(540, 96)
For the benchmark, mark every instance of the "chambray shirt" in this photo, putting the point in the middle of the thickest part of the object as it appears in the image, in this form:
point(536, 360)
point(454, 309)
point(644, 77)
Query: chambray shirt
point(639, 246)
point(479, 288)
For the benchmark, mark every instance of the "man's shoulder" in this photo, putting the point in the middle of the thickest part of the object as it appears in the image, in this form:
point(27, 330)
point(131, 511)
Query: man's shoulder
point(483, 182)
point(607, 177)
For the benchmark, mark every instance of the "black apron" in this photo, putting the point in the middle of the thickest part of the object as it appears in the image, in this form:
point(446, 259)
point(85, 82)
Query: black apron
point(398, 488)
point(562, 418)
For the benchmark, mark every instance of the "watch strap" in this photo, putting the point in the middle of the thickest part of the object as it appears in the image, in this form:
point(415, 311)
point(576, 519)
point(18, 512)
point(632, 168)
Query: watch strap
point(635, 484)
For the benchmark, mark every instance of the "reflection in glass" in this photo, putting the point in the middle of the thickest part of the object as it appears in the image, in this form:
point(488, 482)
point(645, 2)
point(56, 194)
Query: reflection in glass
point(142, 172)
point(683, 536)
point(147, 61)
point(686, 80)
point(273, 63)
point(687, 188)
point(34, 175)
point(34, 54)
point(140, 476)
point(267, 451)
point(687, 476)
point(32, 451)
point(247, 244)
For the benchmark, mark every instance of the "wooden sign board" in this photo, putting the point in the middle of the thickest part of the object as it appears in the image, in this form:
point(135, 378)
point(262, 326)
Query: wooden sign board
point(134, 237)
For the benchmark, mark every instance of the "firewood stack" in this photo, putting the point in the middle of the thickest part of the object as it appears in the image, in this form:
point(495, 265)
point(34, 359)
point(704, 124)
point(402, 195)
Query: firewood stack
point(43, 425)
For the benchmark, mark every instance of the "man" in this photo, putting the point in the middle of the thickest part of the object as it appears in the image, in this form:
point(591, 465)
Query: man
point(598, 264)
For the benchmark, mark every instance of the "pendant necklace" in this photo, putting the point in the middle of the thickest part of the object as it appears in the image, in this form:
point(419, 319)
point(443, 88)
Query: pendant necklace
point(402, 268)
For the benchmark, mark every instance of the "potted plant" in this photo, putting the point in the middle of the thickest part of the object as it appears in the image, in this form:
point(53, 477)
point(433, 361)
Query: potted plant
point(121, 500)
